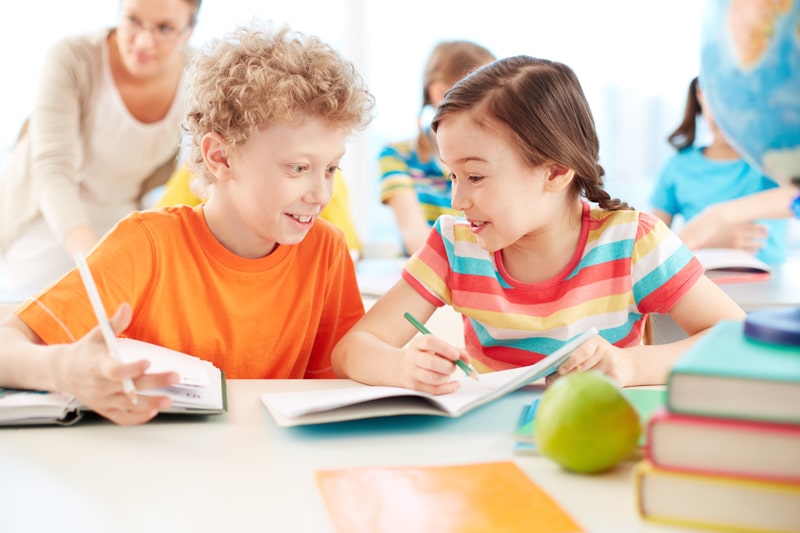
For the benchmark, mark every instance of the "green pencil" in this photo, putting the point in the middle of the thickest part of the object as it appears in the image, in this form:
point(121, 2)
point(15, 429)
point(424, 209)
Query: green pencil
point(468, 370)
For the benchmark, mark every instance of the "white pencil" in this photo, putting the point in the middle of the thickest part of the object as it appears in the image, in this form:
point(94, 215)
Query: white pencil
point(102, 319)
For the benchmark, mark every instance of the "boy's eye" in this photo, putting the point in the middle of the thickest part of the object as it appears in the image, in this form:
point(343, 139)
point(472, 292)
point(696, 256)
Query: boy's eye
point(332, 169)
point(299, 169)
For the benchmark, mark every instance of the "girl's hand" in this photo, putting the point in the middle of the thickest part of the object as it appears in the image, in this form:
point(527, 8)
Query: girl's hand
point(749, 237)
point(429, 363)
point(599, 355)
point(86, 370)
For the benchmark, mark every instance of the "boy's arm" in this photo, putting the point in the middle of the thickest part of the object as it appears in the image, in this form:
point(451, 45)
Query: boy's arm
point(83, 369)
point(24, 359)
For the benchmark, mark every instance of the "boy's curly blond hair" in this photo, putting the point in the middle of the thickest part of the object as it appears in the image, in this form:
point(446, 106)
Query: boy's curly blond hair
point(258, 75)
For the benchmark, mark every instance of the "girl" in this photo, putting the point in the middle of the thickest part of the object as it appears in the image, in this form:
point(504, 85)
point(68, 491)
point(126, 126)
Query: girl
point(699, 176)
point(105, 128)
point(413, 183)
point(532, 264)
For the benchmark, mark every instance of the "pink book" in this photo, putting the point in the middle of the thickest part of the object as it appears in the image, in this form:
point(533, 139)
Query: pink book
point(726, 447)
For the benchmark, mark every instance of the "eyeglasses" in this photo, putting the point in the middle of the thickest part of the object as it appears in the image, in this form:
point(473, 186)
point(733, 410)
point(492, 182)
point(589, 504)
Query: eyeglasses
point(161, 33)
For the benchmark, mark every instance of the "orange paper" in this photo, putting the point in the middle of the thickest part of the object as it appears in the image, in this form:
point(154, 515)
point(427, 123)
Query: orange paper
point(460, 498)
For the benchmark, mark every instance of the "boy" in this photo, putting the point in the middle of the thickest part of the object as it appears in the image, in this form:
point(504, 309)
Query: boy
point(251, 280)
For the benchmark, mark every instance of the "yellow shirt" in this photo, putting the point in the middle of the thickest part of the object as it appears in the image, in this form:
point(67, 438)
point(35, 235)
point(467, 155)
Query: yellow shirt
point(178, 191)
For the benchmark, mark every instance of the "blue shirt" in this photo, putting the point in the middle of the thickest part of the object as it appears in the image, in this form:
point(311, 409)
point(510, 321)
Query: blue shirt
point(690, 182)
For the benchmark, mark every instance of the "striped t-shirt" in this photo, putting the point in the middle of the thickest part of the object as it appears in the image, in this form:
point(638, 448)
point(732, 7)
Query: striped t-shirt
point(401, 170)
point(627, 264)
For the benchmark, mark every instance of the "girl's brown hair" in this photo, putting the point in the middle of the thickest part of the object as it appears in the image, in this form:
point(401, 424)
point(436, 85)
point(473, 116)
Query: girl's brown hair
point(684, 135)
point(542, 105)
point(449, 62)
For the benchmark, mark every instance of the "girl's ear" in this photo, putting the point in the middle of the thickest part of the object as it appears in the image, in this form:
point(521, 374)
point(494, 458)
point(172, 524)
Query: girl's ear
point(215, 154)
point(558, 177)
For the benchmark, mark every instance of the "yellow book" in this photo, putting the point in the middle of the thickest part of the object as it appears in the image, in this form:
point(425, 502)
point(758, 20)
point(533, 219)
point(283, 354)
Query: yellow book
point(716, 502)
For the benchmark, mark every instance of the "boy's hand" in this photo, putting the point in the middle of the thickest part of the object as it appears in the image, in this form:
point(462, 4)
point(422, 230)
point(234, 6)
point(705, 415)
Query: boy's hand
point(600, 355)
point(429, 363)
point(87, 371)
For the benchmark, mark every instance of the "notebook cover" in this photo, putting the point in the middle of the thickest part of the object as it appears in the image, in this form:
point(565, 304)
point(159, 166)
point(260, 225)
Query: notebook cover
point(478, 497)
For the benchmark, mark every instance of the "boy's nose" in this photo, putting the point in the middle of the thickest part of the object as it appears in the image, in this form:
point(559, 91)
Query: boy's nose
point(321, 191)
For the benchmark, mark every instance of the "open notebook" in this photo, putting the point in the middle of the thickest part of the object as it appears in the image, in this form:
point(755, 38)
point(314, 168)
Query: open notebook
point(729, 265)
point(201, 389)
point(366, 401)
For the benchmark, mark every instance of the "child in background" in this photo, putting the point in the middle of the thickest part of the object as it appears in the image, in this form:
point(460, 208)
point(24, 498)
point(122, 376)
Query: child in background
point(181, 189)
point(413, 182)
point(700, 176)
point(250, 280)
point(532, 265)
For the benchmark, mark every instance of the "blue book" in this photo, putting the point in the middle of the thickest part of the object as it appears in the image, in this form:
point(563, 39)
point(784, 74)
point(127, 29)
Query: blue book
point(645, 401)
point(726, 374)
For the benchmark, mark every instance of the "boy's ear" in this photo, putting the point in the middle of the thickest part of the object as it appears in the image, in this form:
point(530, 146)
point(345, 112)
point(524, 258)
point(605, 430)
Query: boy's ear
point(215, 155)
point(558, 177)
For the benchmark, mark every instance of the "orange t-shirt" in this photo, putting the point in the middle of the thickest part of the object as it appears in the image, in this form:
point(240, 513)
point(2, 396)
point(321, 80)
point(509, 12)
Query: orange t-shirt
point(274, 317)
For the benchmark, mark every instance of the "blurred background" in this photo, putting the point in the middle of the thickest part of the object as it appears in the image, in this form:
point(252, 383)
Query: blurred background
point(634, 59)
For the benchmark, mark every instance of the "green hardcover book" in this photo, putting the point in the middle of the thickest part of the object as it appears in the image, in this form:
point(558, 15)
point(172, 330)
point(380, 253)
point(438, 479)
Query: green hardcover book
point(728, 375)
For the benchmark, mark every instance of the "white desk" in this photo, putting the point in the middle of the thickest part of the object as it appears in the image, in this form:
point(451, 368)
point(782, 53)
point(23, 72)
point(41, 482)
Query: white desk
point(240, 472)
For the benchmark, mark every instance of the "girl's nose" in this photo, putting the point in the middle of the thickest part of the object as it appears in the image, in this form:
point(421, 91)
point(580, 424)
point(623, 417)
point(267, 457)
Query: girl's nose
point(460, 200)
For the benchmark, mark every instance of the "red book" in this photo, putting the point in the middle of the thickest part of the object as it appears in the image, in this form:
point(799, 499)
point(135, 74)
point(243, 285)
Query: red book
point(726, 447)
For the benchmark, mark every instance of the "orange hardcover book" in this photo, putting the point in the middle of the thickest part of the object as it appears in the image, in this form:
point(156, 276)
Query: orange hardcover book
point(462, 498)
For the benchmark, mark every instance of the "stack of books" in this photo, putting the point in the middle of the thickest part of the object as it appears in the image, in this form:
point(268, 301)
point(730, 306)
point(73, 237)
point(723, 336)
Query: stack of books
point(724, 452)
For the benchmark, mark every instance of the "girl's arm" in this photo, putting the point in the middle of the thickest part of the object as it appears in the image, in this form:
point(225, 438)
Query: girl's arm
point(665, 217)
point(717, 218)
point(384, 349)
point(410, 220)
point(701, 307)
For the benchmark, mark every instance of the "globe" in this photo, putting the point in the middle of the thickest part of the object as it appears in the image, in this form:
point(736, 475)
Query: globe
point(750, 74)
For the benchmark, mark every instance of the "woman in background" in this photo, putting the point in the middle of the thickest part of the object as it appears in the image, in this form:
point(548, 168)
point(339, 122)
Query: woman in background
point(699, 176)
point(105, 128)
point(414, 184)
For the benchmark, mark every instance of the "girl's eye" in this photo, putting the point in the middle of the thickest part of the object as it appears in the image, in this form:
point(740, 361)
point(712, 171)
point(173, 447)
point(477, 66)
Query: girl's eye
point(451, 176)
point(475, 179)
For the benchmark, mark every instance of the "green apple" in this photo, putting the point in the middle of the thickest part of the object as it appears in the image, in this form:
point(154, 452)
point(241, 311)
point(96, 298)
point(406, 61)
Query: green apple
point(585, 423)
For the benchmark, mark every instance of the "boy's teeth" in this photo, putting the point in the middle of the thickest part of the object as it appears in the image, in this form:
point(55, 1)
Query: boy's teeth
point(302, 218)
